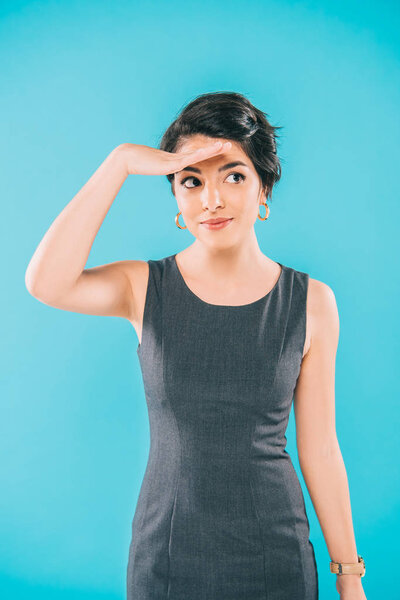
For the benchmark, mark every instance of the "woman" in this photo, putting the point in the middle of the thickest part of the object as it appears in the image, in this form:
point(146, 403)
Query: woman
point(227, 339)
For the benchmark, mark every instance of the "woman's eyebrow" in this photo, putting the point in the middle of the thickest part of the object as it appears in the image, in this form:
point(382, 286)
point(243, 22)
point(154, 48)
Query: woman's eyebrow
point(223, 168)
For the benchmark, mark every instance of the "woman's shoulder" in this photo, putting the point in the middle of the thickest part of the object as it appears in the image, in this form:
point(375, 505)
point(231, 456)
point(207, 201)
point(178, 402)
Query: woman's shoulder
point(321, 298)
point(322, 307)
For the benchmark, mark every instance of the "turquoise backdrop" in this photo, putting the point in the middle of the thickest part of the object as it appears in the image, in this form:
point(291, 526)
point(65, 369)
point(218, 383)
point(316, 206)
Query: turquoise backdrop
point(79, 78)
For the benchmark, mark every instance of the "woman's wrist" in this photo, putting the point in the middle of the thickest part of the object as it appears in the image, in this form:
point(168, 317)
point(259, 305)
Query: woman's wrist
point(348, 581)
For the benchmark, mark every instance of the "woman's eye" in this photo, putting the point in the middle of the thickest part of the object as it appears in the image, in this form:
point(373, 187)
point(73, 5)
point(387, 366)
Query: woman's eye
point(187, 179)
point(240, 175)
point(243, 177)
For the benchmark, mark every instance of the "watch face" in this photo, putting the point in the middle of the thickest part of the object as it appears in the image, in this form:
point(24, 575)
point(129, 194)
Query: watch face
point(361, 560)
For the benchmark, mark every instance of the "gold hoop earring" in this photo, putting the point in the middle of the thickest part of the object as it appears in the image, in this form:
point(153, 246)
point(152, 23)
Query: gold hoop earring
point(266, 213)
point(177, 221)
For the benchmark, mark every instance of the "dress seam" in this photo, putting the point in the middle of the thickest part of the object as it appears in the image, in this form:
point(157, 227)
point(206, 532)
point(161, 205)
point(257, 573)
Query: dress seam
point(254, 427)
point(283, 472)
point(163, 282)
point(261, 537)
point(299, 542)
point(172, 515)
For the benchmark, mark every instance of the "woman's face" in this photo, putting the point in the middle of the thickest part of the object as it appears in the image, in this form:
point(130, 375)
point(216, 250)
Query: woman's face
point(216, 188)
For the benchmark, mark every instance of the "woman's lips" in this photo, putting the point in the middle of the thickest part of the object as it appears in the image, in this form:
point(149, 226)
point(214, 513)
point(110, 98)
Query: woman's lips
point(219, 225)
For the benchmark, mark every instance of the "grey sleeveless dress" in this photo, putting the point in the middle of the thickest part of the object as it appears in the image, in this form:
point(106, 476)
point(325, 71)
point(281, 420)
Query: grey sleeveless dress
point(220, 513)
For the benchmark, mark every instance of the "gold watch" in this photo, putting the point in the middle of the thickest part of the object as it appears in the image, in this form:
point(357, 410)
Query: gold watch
point(357, 568)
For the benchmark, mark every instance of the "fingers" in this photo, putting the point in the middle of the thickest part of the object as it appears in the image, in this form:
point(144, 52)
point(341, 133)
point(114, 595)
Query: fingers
point(205, 151)
point(211, 148)
point(182, 159)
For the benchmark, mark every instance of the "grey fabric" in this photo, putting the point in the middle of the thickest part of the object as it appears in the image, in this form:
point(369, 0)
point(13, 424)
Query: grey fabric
point(221, 513)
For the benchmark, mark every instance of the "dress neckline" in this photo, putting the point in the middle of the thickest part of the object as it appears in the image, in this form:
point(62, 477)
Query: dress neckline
point(226, 306)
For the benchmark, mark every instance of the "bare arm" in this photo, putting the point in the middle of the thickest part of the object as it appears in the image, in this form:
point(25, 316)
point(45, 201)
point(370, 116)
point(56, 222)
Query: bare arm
point(319, 453)
point(56, 273)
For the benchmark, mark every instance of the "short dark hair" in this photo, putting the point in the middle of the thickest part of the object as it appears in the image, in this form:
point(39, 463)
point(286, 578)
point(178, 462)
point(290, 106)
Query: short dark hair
point(232, 116)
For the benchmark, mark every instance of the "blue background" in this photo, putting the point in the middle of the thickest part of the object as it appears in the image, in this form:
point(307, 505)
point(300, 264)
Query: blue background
point(79, 78)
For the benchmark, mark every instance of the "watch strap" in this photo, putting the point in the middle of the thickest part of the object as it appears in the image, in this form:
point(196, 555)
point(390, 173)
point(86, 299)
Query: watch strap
point(357, 568)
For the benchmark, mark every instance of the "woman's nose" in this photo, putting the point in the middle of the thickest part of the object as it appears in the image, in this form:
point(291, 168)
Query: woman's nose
point(211, 197)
